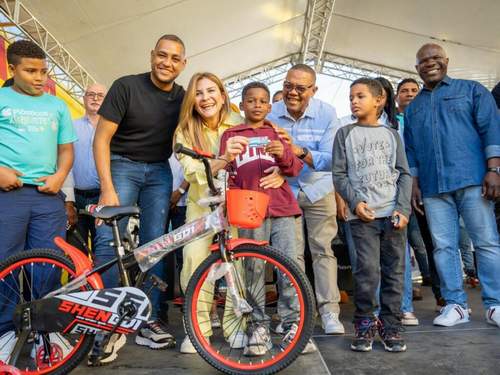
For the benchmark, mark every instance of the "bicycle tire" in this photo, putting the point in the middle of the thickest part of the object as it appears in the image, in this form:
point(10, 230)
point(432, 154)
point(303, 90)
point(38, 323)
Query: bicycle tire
point(304, 288)
point(55, 258)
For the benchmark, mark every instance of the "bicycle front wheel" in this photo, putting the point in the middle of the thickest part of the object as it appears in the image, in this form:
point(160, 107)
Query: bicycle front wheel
point(274, 328)
point(25, 277)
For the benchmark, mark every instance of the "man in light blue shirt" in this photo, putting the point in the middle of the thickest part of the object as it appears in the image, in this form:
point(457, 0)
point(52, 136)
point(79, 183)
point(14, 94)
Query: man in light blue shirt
point(86, 180)
point(309, 125)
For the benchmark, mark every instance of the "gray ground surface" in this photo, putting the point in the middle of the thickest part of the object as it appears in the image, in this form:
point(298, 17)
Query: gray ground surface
point(468, 349)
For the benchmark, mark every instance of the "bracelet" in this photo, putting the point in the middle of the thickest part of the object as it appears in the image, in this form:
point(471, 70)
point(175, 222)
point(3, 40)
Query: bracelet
point(181, 190)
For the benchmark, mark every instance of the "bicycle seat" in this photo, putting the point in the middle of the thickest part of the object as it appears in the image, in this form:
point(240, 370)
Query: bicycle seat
point(111, 212)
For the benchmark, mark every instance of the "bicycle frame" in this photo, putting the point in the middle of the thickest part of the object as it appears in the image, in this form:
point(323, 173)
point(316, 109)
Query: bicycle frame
point(147, 255)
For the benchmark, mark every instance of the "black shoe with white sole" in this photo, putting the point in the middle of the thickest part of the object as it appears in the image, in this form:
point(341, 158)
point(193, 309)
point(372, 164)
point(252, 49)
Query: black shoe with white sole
point(155, 337)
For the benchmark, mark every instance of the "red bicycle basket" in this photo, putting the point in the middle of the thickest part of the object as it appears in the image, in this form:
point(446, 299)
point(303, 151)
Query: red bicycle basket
point(246, 208)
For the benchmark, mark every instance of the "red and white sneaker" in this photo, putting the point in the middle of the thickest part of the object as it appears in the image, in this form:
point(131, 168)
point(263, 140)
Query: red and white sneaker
point(493, 315)
point(450, 315)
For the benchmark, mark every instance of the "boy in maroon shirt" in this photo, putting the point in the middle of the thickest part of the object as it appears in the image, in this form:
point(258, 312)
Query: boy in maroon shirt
point(265, 149)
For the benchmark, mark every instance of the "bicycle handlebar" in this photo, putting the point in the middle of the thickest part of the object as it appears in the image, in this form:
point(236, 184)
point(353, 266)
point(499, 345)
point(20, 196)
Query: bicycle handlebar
point(203, 157)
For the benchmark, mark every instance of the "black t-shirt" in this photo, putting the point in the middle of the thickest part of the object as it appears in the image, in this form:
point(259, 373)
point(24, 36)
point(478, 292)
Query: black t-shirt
point(146, 117)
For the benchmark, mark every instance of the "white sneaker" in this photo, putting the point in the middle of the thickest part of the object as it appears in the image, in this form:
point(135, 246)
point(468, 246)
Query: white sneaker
point(7, 343)
point(493, 315)
point(237, 340)
point(310, 347)
point(215, 321)
point(331, 324)
point(100, 355)
point(187, 346)
point(451, 315)
point(279, 329)
point(259, 343)
point(409, 319)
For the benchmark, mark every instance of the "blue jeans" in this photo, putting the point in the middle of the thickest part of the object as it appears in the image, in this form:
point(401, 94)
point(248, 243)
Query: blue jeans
point(28, 220)
point(407, 302)
point(148, 185)
point(465, 246)
point(443, 213)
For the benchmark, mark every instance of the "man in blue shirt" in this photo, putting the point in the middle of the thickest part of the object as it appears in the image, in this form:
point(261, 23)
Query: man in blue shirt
point(452, 137)
point(309, 128)
point(86, 180)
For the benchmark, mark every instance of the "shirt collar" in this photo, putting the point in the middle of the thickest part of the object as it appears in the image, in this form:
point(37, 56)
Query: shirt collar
point(310, 111)
point(445, 81)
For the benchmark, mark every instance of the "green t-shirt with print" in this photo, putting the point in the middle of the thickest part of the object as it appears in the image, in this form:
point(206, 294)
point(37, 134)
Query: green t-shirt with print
point(31, 127)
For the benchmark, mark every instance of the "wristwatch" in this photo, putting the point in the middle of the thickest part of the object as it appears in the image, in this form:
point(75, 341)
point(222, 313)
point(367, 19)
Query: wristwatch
point(305, 151)
point(494, 169)
point(181, 190)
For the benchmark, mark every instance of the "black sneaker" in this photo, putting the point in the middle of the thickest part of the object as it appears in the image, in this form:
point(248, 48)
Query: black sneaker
point(391, 338)
point(103, 354)
point(364, 335)
point(155, 337)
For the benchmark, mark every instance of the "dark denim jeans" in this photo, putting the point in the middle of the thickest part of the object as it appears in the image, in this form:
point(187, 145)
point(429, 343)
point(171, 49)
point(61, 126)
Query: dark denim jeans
point(86, 224)
point(148, 185)
point(28, 220)
point(380, 253)
point(417, 244)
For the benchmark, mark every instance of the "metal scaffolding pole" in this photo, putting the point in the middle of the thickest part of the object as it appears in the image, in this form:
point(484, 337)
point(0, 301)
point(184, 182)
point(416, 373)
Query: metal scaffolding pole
point(318, 16)
point(63, 68)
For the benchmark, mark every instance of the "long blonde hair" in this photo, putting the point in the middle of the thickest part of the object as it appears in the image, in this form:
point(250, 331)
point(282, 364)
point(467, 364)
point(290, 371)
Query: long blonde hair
point(190, 121)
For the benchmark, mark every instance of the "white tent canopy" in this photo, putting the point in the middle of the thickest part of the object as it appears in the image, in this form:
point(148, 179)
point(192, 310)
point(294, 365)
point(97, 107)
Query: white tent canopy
point(111, 38)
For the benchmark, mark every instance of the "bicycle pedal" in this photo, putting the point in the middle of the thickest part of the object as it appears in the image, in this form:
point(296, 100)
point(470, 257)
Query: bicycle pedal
point(159, 283)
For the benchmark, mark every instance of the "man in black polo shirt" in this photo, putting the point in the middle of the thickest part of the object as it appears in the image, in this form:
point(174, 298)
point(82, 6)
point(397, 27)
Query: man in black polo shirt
point(132, 145)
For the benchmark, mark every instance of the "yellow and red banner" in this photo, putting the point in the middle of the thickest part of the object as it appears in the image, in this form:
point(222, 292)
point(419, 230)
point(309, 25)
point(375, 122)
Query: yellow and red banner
point(52, 87)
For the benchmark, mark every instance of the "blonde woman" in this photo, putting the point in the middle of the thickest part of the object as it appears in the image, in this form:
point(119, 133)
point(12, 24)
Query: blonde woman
point(205, 115)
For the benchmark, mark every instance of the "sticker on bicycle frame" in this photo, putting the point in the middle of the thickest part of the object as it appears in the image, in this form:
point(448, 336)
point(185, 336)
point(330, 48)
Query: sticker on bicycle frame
point(152, 252)
point(89, 312)
point(99, 310)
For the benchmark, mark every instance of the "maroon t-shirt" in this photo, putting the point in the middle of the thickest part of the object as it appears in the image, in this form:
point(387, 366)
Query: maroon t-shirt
point(251, 164)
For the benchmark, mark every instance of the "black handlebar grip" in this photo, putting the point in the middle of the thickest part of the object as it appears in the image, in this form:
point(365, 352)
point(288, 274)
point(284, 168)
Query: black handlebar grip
point(180, 149)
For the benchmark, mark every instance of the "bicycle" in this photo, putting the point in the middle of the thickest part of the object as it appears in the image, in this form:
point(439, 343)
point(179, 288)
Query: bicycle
point(55, 321)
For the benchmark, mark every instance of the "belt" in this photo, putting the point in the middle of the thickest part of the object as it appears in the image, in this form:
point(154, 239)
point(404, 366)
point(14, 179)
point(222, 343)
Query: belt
point(88, 193)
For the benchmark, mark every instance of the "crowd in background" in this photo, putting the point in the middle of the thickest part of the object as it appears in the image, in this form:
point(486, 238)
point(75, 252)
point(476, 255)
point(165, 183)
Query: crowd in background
point(415, 169)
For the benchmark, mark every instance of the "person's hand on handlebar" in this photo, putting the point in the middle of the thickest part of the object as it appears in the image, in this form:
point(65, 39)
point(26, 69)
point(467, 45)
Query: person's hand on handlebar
point(234, 146)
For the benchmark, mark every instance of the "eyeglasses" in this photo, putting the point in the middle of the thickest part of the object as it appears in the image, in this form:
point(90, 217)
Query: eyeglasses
point(288, 86)
point(94, 95)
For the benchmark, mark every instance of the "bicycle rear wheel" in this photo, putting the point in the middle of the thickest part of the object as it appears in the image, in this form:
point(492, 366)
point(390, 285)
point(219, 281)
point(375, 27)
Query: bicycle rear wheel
point(28, 276)
point(283, 325)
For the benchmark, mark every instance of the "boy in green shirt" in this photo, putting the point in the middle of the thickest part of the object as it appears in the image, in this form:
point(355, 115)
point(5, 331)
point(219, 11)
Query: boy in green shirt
point(36, 154)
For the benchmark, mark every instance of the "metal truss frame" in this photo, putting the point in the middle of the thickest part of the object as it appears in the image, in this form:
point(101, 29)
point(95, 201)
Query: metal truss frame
point(351, 69)
point(63, 67)
point(317, 21)
point(269, 73)
point(332, 65)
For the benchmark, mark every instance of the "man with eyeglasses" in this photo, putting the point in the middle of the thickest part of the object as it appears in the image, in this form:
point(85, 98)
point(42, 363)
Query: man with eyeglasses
point(307, 123)
point(84, 173)
point(452, 138)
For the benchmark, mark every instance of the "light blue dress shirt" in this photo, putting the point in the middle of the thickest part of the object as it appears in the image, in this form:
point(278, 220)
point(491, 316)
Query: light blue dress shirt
point(84, 170)
point(314, 130)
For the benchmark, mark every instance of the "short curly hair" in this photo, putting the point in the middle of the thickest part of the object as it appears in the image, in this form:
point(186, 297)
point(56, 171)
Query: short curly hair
point(24, 48)
point(254, 85)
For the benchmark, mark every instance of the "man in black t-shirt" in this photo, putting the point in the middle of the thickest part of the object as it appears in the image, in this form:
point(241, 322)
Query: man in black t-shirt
point(132, 144)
